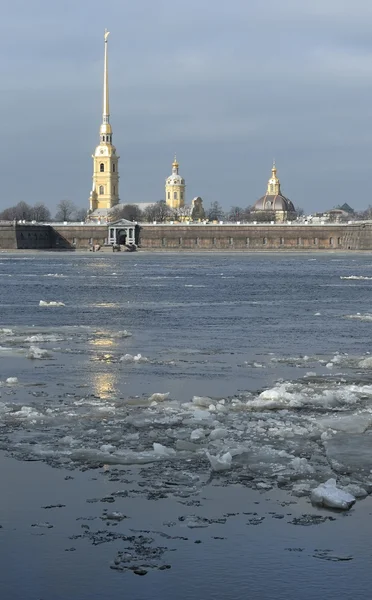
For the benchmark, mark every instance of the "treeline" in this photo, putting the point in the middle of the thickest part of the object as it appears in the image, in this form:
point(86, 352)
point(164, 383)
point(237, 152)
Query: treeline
point(158, 211)
point(66, 211)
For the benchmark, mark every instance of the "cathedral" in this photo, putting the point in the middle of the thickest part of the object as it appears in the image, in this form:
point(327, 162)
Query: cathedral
point(274, 201)
point(104, 196)
point(105, 190)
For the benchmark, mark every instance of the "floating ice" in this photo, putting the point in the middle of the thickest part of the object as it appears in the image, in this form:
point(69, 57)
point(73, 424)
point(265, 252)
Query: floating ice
point(202, 401)
point(197, 435)
point(7, 332)
point(39, 337)
point(158, 397)
point(163, 450)
point(107, 448)
point(53, 303)
point(218, 434)
point(121, 334)
point(360, 317)
point(347, 423)
point(220, 463)
point(366, 363)
point(114, 516)
point(357, 277)
point(302, 466)
point(137, 358)
point(11, 380)
point(37, 353)
point(329, 495)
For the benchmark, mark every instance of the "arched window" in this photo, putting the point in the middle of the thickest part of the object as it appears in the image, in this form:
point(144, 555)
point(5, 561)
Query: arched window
point(114, 189)
point(168, 195)
point(113, 168)
point(101, 167)
point(181, 195)
point(101, 190)
point(175, 195)
point(103, 138)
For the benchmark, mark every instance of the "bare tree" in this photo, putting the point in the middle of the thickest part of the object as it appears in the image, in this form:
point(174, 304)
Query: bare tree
point(159, 212)
point(21, 211)
point(130, 212)
point(80, 214)
point(299, 211)
point(236, 214)
point(40, 213)
point(65, 210)
point(262, 216)
point(215, 212)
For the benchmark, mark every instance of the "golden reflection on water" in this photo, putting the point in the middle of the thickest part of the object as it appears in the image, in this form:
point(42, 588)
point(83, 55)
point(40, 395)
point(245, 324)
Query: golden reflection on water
point(103, 342)
point(104, 384)
point(105, 305)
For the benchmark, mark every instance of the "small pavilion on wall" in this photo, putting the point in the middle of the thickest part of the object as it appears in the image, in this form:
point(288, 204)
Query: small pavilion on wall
point(273, 202)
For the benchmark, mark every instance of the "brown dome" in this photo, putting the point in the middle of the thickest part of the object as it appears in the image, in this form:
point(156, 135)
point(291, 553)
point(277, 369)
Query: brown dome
point(275, 203)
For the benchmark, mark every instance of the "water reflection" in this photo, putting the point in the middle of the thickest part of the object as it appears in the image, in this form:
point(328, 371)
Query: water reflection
point(103, 342)
point(104, 385)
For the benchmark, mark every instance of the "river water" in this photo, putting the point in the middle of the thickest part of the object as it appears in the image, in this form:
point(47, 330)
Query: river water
point(164, 418)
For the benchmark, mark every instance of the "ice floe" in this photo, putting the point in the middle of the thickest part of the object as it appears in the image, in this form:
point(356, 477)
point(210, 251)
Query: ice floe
point(52, 303)
point(329, 495)
point(220, 463)
point(37, 353)
point(158, 397)
point(356, 277)
point(138, 358)
point(39, 337)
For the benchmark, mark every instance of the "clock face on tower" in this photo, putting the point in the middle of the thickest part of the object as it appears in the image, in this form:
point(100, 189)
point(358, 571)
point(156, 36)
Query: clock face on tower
point(102, 151)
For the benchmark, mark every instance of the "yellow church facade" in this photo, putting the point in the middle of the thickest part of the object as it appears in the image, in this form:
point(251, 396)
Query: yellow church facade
point(105, 188)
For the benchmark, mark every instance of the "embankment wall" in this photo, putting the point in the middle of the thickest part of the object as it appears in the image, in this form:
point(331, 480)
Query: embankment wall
point(257, 237)
point(197, 237)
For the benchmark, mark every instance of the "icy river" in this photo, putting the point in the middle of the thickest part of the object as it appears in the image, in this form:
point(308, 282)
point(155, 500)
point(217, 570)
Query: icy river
point(164, 419)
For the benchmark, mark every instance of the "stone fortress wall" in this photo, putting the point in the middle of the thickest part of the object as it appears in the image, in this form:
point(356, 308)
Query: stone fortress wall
point(196, 237)
point(248, 237)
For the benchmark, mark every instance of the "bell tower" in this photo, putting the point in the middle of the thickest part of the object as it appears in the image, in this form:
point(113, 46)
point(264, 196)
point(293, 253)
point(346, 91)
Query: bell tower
point(175, 188)
point(105, 189)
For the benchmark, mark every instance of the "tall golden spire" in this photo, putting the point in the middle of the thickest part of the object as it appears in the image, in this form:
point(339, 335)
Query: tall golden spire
point(106, 127)
point(106, 106)
point(105, 191)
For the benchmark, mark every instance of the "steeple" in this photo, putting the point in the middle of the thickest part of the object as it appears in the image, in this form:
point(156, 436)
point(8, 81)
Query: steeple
point(273, 186)
point(175, 166)
point(105, 189)
point(105, 130)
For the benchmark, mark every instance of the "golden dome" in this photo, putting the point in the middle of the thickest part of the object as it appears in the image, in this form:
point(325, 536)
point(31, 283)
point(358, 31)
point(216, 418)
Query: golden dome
point(175, 163)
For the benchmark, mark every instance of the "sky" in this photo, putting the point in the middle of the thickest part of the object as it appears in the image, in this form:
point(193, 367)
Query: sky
point(228, 86)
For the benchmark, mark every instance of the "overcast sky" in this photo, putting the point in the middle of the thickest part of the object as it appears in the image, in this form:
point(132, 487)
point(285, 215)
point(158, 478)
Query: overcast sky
point(226, 85)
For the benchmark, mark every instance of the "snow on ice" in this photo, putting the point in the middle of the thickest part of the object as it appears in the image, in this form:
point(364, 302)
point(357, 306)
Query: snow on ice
point(329, 495)
point(53, 303)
